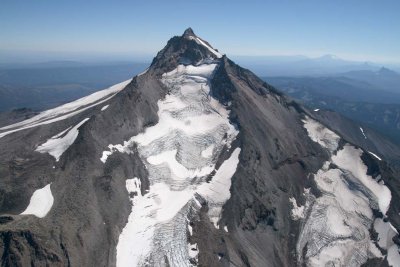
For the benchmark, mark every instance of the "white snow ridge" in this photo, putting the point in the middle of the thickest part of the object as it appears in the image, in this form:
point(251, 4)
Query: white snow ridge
point(201, 42)
point(179, 152)
point(65, 111)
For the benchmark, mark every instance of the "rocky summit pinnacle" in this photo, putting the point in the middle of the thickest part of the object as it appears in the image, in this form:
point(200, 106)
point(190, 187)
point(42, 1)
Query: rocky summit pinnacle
point(195, 162)
point(186, 49)
point(189, 32)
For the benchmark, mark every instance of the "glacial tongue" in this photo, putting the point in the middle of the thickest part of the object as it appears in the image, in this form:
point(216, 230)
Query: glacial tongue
point(336, 227)
point(180, 153)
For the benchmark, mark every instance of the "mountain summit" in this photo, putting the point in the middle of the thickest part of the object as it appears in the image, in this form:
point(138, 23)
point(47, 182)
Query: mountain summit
point(186, 49)
point(194, 162)
point(189, 32)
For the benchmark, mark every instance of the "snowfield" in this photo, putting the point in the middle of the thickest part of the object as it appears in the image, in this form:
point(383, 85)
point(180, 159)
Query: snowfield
point(59, 143)
point(336, 230)
point(180, 153)
point(65, 111)
point(320, 134)
point(40, 203)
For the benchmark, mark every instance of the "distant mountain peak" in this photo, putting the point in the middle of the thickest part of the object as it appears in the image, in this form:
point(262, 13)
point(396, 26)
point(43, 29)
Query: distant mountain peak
point(387, 72)
point(329, 57)
point(384, 69)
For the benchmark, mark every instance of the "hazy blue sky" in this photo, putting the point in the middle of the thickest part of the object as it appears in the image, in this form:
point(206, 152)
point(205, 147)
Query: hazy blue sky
point(362, 30)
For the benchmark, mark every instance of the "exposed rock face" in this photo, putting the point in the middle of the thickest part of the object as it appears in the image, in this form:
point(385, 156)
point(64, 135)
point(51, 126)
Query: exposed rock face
point(196, 162)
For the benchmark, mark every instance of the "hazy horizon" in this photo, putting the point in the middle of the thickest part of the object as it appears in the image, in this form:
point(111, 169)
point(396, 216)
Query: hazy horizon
point(38, 57)
point(70, 30)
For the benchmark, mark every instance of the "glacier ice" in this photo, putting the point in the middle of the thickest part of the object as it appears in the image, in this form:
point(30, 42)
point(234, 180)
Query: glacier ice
point(349, 158)
point(320, 134)
point(335, 230)
point(180, 153)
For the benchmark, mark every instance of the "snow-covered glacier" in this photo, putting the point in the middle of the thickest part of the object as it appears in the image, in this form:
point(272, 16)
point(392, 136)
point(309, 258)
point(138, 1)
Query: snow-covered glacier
point(336, 226)
point(180, 153)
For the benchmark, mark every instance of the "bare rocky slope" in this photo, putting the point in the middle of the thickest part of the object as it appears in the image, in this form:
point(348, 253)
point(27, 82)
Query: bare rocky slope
point(195, 162)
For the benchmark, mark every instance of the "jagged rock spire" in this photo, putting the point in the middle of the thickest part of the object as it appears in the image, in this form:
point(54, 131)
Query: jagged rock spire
point(189, 32)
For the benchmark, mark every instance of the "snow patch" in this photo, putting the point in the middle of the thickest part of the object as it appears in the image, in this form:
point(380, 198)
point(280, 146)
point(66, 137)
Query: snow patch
point(104, 107)
point(105, 156)
point(57, 145)
point(321, 135)
point(297, 211)
point(373, 154)
point(317, 109)
point(40, 203)
point(201, 42)
point(362, 131)
point(114, 148)
point(190, 228)
point(193, 251)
